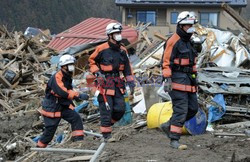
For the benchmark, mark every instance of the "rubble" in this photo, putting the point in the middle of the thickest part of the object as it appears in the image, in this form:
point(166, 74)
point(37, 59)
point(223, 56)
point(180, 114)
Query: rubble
point(26, 65)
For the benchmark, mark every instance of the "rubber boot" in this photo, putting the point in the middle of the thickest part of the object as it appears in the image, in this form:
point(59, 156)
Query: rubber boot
point(165, 127)
point(175, 144)
point(77, 138)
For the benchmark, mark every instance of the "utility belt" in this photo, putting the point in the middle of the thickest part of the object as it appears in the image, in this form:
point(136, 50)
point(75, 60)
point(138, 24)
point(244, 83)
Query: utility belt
point(185, 69)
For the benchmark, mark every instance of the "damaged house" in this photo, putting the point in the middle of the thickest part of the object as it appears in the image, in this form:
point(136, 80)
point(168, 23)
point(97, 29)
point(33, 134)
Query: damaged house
point(163, 13)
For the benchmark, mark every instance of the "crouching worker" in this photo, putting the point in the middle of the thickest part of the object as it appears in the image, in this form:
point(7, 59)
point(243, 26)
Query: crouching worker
point(58, 103)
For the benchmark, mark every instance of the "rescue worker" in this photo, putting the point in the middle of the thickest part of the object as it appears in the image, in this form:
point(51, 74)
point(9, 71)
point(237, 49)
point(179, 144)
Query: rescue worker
point(179, 76)
point(107, 61)
point(58, 103)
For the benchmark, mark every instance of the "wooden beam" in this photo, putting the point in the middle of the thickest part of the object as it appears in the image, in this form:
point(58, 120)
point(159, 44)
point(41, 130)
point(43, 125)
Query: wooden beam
point(236, 16)
point(158, 35)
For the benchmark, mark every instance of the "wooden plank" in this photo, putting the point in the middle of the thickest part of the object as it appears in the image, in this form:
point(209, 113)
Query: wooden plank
point(158, 35)
point(236, 16)
point(6, 106)
point(15, 96)
point(35, 57)
point(144, 34)
point(134, 43)
point(20, 48)
point(19, 107)
point(87, 157)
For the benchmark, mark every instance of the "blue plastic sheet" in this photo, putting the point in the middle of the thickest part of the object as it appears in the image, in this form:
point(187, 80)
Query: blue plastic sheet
point(59, 137)
point(197, 124)
point(81, 106)
point(127, 117)
point(215, 113)
point(95, 102)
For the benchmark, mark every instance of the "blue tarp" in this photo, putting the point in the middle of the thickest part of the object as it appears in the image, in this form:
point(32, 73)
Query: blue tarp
point(215, 113)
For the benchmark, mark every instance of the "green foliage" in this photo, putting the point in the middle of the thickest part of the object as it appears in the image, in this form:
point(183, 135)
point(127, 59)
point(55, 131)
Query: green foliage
point(56, 15)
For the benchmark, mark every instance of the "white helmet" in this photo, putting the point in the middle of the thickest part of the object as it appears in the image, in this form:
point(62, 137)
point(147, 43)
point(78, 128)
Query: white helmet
point(66, 59)
point(113, 27)
point(186, 17)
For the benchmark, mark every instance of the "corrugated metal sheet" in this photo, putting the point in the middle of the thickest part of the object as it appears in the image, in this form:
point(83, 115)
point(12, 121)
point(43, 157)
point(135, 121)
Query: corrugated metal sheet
point(88, 31)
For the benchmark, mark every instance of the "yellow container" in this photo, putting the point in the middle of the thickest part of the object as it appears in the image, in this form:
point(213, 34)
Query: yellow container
point(160, 113)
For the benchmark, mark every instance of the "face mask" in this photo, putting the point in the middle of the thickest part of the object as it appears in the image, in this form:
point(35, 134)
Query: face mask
point(191, 30)
point(71, 68)
point(118, 37)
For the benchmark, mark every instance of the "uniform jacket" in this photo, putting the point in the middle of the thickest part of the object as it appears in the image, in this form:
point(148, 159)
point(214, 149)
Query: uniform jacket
point(111, 59)
point(58, 94)
point(179, 61)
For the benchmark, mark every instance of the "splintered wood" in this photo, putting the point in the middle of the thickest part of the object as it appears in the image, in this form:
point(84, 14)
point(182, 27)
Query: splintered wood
point(23, 61)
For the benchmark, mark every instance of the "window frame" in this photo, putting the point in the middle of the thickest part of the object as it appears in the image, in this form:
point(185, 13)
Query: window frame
point(208, 13)
point(171, 17)
point(147, 12)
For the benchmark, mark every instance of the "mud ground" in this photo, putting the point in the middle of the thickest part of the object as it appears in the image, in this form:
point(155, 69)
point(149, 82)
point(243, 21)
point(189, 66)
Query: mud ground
point(133, 145)
point(151, 145)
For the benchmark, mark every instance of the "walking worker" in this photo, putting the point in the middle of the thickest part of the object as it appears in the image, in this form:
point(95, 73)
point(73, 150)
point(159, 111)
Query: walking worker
point(107, 61)
point(58, 103)
point(179, 74)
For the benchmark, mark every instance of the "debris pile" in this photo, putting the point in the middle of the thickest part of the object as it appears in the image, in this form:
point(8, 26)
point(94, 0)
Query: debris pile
point(23, 64)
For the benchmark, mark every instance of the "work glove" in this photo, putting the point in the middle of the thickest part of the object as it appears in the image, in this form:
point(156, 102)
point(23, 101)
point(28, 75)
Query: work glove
point(100, 75)
point(82, 96)
point(167, 84)
point(131, 85)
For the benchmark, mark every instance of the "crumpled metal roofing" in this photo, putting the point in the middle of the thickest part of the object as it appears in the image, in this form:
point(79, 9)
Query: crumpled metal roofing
point(88, 31)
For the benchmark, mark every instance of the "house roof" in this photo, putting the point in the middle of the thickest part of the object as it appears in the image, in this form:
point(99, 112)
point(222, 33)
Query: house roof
point(239, 3)
point(88, 31)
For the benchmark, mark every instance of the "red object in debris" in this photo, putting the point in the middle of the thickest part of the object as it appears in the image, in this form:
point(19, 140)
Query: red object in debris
point(88, 31)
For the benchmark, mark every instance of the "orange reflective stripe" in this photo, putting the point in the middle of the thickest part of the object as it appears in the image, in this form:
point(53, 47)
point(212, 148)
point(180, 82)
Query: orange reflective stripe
point(176, 61)
point(105, 129)
point(183, 61)
point(182, 87)
point(110, 92)
point(106, 67)
point(175, 129)
point(71, 107)
point(57, 114)
point(52, 92)
point(59, 82)
point(194, 68)
point(92, 63)
point(77, 133)
point(130, 78)
point(40, 144)
point(121, 67)
point(113, 121)
point(50, 114)
point(167, 55)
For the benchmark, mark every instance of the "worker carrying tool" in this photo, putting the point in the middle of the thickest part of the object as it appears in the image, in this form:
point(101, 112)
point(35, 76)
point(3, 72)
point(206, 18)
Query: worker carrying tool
point(107, 61)
point(58, 103)
point(179, 77)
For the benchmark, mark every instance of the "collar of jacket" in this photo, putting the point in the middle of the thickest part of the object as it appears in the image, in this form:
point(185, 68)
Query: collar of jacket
point(183, 35)
point(66, 75)
point(114, 46)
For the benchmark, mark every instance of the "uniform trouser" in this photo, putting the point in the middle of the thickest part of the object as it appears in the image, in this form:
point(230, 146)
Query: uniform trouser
point(51, 125)
point(117, 110)
point(185, 106)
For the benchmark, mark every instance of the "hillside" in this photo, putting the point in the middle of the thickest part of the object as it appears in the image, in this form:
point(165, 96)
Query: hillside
point(56, 15)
